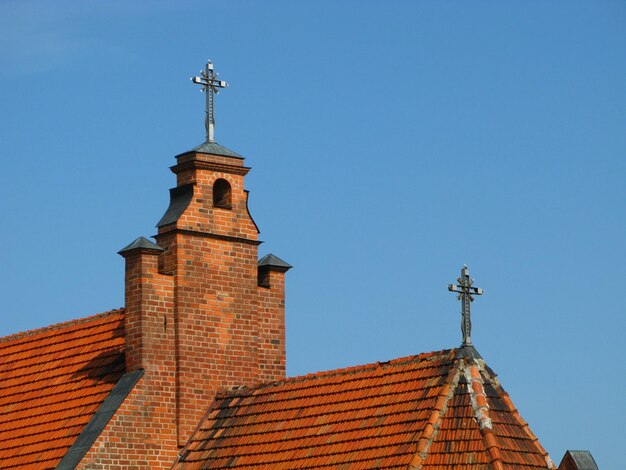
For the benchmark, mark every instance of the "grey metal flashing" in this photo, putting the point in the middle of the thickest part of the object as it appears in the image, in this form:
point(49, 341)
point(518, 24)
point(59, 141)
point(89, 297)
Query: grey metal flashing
point(248, 210)
point(140, 242)
point(180, 197)
point(467, 351)
point(271, 261)
point(96, 425)
point(213, 148)
point(583, 459)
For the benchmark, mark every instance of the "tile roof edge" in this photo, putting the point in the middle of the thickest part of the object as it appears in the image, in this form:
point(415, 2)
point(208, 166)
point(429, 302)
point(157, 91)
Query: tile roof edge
point(430, 431)
point(60, 326)
point(490, 375)
point(99, 420)
point(183, 452)
point(247, 390)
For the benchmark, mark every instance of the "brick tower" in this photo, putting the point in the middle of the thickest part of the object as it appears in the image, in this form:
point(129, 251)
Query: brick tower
point(202, 313)
point(228, 309)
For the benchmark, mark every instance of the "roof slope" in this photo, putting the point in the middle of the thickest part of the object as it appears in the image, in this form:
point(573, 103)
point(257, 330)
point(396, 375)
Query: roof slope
point(432, 411)
point(52, 381)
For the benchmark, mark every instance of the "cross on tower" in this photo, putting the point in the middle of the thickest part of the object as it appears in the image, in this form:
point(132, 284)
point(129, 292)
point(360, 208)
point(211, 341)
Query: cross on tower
point(210, 85)
point(465, 291)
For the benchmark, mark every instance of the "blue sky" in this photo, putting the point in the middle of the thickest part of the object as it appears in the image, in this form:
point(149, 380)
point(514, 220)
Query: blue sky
point(391, 142)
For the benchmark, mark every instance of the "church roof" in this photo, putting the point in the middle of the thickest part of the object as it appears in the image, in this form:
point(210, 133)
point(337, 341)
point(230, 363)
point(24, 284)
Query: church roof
point(438, 410)
point(52, 382)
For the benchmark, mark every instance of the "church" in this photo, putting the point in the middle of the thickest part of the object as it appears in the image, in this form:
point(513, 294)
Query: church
point(190, 374)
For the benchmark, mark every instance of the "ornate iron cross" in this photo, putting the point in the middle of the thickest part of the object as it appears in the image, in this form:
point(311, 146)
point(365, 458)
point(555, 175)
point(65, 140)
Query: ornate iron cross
point(466, 291)
point(210, 85)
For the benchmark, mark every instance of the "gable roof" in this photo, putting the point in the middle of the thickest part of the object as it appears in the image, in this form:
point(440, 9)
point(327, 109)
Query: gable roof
point(52, 381)
point(435, 410)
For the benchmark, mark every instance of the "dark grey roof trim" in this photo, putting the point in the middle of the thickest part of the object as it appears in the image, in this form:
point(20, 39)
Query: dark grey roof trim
point(271, 261)
point(180, 197)
point(583, 459)
point(141, 242)
point(248, 210)
point(213, 148)
point(94, 428)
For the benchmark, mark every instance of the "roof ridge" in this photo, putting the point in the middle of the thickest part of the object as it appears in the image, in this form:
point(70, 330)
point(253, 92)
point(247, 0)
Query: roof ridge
point(59, 326)
point(245, 390)
point(430, 431)
point(475, 387)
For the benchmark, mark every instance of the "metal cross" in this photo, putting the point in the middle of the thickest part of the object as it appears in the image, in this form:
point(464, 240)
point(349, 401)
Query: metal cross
point(465, 291)
point(210, 84)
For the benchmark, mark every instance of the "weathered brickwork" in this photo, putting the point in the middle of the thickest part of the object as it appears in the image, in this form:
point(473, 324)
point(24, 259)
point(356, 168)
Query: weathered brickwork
point(149, 319)
point(217, 313)
point(142, 433)
point(197, 320)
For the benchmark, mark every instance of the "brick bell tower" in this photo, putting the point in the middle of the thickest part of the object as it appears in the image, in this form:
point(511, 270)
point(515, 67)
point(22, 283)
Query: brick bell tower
point(203, 313)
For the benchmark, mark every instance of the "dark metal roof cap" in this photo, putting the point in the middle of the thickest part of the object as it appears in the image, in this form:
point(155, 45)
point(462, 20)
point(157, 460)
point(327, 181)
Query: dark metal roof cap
point(274, 261)
point(141, 243)
point(467, 351)
point(583, 459)
point(214, 148)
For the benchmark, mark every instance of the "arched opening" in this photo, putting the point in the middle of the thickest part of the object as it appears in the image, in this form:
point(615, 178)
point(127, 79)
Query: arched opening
point(222, 196)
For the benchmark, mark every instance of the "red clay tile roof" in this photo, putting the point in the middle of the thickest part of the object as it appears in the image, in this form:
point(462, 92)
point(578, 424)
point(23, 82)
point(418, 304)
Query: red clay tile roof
point(52, 381)
point(432, 411)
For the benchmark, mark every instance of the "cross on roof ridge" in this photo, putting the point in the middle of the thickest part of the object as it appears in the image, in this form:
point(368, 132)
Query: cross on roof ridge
point(466, 291)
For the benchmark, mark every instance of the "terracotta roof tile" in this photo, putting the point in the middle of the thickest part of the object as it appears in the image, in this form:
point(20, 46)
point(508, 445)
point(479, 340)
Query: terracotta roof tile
point(52, 381)
point(414, 412)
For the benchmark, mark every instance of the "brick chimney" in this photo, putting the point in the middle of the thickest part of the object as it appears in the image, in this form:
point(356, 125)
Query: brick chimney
point(271, 282)
point(149, 308)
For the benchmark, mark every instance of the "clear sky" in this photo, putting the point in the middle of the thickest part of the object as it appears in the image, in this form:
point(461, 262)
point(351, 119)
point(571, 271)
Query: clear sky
point(391, 142)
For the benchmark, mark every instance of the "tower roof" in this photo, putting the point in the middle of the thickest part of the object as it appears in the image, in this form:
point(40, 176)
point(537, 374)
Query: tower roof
point(213, 148)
